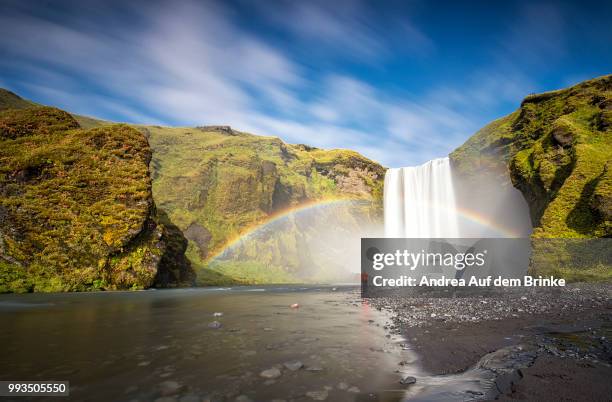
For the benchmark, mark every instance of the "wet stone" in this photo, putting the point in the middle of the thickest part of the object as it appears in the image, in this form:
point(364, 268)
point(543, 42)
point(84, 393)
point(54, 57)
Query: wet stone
point(408, 380)
point(317, 395)
point(169, 387)
point(190, 398)
point(293, 365)
point(271, 373)
point(166, 399)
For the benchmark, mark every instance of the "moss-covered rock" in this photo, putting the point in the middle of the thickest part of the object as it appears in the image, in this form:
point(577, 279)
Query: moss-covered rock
point(76, 208)
point(556, 147)
point(557, 150)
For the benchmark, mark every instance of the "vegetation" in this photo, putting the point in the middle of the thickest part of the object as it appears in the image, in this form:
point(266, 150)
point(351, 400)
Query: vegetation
point(557, 150)
point(76, 210)
point(9, 100)
point(215, 182)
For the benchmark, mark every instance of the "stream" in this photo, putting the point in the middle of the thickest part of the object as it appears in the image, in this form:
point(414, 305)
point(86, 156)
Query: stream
point(169, 345)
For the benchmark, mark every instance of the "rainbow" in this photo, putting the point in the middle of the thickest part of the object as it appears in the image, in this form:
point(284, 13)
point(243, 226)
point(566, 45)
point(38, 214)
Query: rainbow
point(279, 215)
point(463, 213)
point(487, 222)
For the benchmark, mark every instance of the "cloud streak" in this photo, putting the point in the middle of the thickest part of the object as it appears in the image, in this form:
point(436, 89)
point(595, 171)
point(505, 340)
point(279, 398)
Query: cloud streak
point(187, 63)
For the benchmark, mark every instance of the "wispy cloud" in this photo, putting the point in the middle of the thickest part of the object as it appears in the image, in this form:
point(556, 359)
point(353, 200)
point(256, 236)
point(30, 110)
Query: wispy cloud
point(188, 63)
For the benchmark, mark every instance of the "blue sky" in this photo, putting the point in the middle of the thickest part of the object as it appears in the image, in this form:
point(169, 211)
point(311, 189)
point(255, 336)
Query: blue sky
point(402, 82)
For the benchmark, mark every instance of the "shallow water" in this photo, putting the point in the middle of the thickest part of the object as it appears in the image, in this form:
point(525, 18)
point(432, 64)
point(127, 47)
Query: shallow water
point(119, 346)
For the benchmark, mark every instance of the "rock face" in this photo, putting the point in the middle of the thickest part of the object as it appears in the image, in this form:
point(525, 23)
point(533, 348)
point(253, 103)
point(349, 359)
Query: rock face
point(76, 208)
point(215, 183)
point(556, 150)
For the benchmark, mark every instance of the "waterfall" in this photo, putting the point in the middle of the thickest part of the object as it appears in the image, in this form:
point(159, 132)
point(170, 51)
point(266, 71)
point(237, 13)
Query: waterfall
point(419, 201)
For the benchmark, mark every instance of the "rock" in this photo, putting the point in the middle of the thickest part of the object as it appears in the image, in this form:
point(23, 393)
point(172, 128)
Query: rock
point(314, 368)
point(214, 325)
point(317, 395)
point(343, 386)
point(563, 136)
point(243, 398)
point(169, 387)
point(293, 365)
point(130, 389)
point(217, 314)
point(190, 398)
point(504, 381)
point(354, 390)
point(408, 380)
point(271, 373)
point(166, 399)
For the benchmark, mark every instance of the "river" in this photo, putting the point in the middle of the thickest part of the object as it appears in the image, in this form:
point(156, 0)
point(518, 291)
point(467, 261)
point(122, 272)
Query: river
point(137, 346)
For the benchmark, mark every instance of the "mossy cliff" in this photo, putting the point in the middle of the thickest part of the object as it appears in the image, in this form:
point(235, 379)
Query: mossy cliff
point(76, 207)
point(557, 149)
point(215, 182)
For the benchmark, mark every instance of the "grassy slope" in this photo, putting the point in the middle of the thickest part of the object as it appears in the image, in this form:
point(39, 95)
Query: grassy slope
point(557, 148)
point(216, 182)
point(76, 210)
point(9, 100)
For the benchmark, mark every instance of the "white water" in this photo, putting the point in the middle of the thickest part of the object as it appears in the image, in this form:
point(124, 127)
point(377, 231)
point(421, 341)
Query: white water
point(419, 201)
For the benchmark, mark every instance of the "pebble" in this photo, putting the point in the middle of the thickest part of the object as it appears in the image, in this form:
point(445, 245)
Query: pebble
point(354, 390)
point(408, 380)
point(271, 373)
point(214, 325)
point(169, 387)
point(243, 398)
point(343, 386)
point(294, 365)
point(130, 389)
point(166, 399)
point(218, 314)
point(190, 398)
point(317, 395)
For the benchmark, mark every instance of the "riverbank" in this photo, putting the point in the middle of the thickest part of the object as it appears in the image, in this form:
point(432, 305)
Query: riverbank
point(569, 328)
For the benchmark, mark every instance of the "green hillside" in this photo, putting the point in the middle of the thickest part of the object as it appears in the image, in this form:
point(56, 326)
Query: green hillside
point(9, 100)
point(215, 182)
point(556, 149)
point(76, 209)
